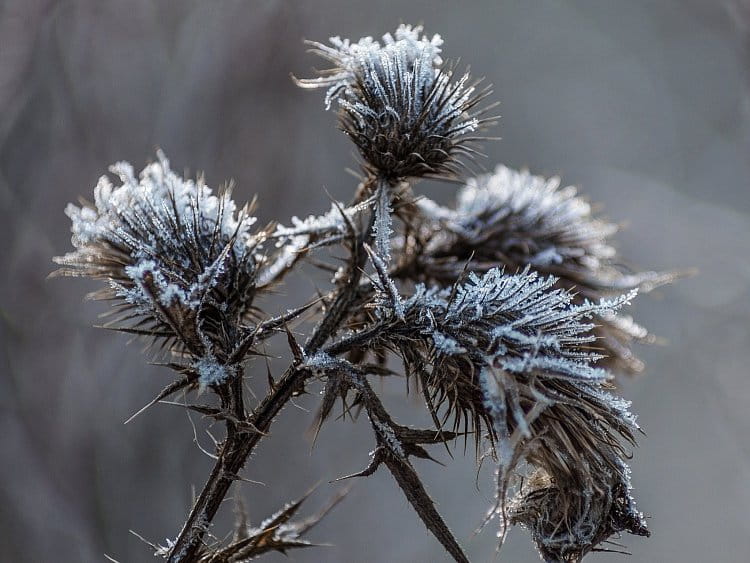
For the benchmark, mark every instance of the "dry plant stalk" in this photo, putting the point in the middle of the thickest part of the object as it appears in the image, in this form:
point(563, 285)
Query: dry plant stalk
point(502, 309)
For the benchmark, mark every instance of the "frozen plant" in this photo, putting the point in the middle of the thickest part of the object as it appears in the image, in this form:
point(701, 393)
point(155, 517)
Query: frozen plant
point(514, 218)
point(503, 310)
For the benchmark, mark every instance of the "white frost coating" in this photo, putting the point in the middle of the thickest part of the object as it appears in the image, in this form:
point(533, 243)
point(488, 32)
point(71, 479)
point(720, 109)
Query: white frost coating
point(210, 371)
point(390, 438)
point(388, 292)
point(493, 394)
point(349, 58)
point(627, 324)
point(618, 404)
point(405, 90)
point(176, 232)
point(166, 293)
point(161, 194)
point(547, 257)
point(328, 223)
point(433, 210)
point(530, 327)
point(295, 239)
point(555, 367)
point(401, 73)
point(446, 345)
point(383, 222)
point(507, 332)
point(526, 203)
point(321, 361)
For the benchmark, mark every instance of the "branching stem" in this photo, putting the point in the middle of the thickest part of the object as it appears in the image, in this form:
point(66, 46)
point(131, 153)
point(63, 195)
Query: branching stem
point(240, 442)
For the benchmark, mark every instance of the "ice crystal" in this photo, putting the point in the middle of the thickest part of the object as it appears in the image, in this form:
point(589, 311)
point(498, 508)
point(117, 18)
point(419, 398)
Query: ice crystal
point(390, 438)
point(320, 362)
point(387, 290)
point(329, 224)
point(383, 222)
point(349, 57)
point(167, 198)
point(210, 371)
point(304, 234)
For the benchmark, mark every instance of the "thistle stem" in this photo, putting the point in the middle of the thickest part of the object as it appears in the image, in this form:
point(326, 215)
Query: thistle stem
point(238, 446)
point(240, 442)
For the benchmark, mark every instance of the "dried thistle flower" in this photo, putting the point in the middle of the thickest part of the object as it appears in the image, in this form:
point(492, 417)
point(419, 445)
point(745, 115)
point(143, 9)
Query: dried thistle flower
point(516, 219)
point(512, 356)
point(516, 360)
point(181, 264)
point(400, 104)
point(569, 517)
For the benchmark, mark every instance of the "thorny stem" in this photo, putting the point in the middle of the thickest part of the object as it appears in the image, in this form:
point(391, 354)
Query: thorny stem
point(237, 447)
point(407, 477)
point(240, 442)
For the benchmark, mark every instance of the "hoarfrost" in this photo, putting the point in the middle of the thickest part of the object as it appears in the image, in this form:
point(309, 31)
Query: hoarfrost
point(210, 371)
point(383, 222)
point(390, 438)
point(349, 57)
point(167, 199)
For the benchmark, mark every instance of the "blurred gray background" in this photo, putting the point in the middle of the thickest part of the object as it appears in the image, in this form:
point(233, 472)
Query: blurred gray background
point(643, 104)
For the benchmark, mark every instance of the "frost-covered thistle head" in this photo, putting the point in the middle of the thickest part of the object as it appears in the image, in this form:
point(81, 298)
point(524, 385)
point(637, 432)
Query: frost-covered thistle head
point(180, 262)
point(402, 107)
point(516, 219)
point(512, 356)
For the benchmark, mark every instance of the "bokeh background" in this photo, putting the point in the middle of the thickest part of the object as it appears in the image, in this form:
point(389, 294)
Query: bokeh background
point(645, 105)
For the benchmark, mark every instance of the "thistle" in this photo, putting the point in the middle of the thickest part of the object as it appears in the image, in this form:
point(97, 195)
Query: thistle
point(181, 264)
point(504, 311)
point(400, 104)
point(518, 219)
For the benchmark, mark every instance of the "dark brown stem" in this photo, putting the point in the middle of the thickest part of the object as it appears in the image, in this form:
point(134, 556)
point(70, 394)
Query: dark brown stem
point(240, 442)
point(237, 447)
point(405, 474)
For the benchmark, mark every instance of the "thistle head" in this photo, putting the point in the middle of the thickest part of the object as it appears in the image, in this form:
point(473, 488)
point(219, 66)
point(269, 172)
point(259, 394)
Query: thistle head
point(179, 261)
point(567, 522)
point(514, 218)
point(513, 356)
point(406, 112)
